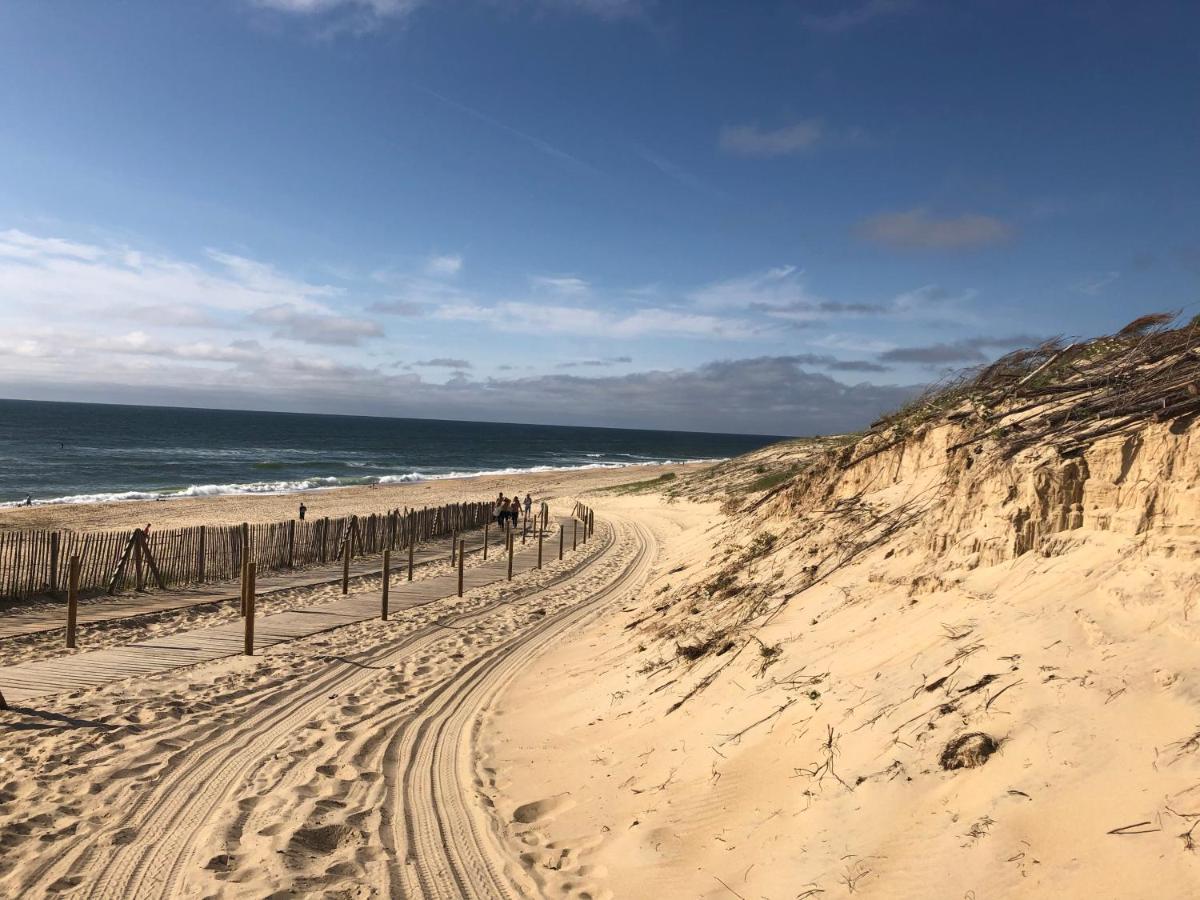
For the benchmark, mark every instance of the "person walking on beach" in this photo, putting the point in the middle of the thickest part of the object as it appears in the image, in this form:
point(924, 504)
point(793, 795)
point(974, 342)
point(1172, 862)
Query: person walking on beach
point(514, 510)
point(29, 500)
point(528, 505)
point(303, 510)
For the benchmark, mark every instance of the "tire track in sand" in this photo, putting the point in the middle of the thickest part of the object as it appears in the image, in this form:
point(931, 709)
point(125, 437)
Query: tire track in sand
point(444, 840)
point(166, 820)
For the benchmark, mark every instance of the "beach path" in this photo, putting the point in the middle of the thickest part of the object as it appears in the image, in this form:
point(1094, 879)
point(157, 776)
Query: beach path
point(51, 615)
point(80, 671)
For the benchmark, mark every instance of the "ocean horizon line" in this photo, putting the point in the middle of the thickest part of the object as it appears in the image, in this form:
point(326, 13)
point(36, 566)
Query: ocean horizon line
point(386, 418)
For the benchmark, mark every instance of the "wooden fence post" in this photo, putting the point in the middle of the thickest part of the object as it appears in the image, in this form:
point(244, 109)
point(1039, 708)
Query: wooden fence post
point(72, 601)
point(137, 560)
point(574, 533)
point(148, 555)
point(387, 577)
point(561, 535)
point(512, 540)
point(540, 548)
point(486, 522)
point(53, 579)
point(524, 529)
point(412, 543)
point(200, 555)
point(291, 558)
point(251, 572)
point(245, 563)
point(461, 554)
point(453, 546)
point(345, 569)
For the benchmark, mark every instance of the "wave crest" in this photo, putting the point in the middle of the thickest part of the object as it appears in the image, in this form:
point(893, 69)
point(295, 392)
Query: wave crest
point(329, 482)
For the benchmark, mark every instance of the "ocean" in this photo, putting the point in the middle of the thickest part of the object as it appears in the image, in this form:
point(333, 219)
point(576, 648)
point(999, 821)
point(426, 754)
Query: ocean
point(87, 452)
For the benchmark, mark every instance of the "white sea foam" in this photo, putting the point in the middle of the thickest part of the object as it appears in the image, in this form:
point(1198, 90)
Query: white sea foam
point(325, 483)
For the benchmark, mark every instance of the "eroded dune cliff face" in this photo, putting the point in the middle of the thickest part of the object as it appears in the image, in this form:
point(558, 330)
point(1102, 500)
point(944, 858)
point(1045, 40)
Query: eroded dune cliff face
point(983, 508)
point(939, 662)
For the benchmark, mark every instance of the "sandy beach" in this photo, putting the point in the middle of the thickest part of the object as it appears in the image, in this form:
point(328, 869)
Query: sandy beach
point(342, 501)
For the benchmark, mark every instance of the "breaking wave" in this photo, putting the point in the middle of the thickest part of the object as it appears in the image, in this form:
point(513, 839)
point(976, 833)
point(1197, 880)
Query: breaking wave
point(326, 483)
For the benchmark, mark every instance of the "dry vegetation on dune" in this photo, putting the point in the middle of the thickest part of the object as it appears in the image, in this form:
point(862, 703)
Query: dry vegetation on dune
point(953, 656)
point(736, 480)
point(1065, 394)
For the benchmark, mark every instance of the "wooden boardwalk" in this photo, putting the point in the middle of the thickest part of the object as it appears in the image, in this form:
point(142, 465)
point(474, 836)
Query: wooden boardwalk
point(52, 615)
point(88, 669)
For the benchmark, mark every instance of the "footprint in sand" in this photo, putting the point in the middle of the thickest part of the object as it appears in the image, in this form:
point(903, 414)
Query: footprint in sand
point(325, 839)
point(65, 884)
point(541, 810)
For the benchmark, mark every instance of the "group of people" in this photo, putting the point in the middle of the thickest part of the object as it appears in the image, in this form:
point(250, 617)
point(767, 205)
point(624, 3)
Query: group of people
point(507, 510)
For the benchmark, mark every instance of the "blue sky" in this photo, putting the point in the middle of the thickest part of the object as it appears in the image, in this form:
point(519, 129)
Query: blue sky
point(766, 216)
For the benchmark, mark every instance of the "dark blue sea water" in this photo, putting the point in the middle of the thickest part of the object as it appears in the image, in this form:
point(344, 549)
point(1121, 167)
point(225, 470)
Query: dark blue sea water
point(84, 452)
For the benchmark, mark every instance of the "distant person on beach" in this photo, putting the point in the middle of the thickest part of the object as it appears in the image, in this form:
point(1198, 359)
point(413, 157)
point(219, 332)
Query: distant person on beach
point(303, 510)
point(528, 506)
point(29, 500)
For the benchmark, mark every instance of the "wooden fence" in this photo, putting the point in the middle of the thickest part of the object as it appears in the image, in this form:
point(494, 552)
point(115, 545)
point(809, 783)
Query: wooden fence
point(36, 562)
point(587, 516)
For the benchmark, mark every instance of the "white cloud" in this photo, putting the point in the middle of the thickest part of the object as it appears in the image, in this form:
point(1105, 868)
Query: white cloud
point(292, 323)
point(917, 229)
point(444, 266)
point(780, 293)
point(566, 285)
point(1095, 283)
point(371, 12)
point(777, 287)
point(28, 347)
point(264, 279)
point(536, 318)
point(141, 343)
point(53, 273)
point(19, 245)
point(845, 18)
point(380, 8)
point(61, 299)
point(605, 9)
point(750, 140)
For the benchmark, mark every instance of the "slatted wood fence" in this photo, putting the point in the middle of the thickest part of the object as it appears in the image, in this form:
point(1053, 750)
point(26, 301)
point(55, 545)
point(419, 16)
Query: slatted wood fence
point(37, 562)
